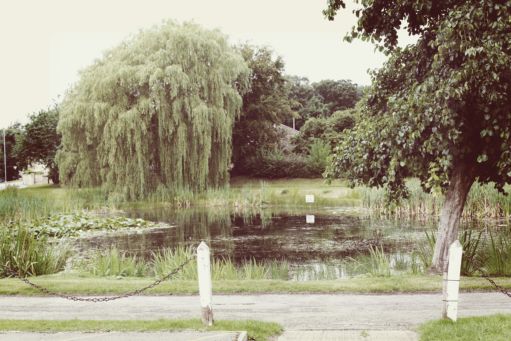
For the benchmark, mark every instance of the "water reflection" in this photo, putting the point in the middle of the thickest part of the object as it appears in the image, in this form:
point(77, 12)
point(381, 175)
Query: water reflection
point(270, 234)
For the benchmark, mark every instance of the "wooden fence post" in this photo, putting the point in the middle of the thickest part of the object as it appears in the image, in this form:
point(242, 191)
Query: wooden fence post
point(205, 285)
point(451, 283)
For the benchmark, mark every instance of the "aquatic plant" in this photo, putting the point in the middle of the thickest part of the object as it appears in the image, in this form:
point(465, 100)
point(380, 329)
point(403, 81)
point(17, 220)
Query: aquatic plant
point(169, 259)
point(497, 255)
point(376, 263)
point(74, 224)
point(24, 255)
point(115, 263)
point(483, 202)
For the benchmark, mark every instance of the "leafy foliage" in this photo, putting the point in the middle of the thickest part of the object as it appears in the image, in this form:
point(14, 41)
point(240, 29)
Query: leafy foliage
point(442, 103)
point(38, 142)
point(321, 99)
point(264, 105)
point(11, 136)
point(440, 109)
point(155, 112)
point(337, 95)
point(275, 164)
point(327, 129)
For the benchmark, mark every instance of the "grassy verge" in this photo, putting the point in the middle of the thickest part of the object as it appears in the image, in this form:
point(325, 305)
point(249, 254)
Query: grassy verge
point(291, 192)
point(365, 285)
point(495, 328)
point(256, 330)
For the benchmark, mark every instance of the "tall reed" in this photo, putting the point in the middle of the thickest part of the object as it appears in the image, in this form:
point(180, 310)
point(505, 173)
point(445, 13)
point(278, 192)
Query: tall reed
point(18, 205)
point(116, 263)
point(22, 254)
point(497, 255)
point(483, 202)
point(376, 264)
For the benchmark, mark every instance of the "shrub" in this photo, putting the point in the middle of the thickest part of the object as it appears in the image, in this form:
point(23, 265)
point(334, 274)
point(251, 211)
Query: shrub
point(318, 156)
point(327, 129)
point(274, 164)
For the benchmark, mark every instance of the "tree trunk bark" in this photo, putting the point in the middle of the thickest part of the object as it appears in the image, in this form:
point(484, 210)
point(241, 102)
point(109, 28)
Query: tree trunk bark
point(461, 180)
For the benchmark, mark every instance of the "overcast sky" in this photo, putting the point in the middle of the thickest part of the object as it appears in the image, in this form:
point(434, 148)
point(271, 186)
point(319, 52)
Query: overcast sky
point(45, 43)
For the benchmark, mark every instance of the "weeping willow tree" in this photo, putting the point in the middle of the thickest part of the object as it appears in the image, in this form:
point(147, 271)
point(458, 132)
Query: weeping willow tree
point(155, 113)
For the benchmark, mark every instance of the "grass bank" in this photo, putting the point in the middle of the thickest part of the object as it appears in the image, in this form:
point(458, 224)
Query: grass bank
point(73, 284)
point(244, 193)
point(494, 328)
point(256, 330)
point(31, 204)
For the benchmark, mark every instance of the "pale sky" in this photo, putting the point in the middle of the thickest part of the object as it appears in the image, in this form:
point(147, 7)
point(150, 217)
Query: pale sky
point(45, 43)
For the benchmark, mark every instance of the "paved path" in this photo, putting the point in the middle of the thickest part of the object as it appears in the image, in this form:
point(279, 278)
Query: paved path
point(116, 336)
point(294, 312)
point(299, 314)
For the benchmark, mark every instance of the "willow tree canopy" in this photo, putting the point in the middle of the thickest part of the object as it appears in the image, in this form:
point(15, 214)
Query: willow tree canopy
point(154, 113)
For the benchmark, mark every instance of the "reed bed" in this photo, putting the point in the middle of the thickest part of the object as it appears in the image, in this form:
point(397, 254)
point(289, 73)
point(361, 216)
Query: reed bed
point(22, 254)
point(24, 205)
point(484, 202)
point(117, 263)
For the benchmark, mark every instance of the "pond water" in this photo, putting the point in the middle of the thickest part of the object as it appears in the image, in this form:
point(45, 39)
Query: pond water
point(312, 250)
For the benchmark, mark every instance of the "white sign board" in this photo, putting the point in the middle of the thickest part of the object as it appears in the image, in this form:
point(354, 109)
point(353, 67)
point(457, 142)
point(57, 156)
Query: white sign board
point(309, 219)
point(309, 198)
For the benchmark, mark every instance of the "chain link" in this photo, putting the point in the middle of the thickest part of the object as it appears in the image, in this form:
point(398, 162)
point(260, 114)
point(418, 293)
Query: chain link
point(106, 298)
point(498, 287)
point(485, 275)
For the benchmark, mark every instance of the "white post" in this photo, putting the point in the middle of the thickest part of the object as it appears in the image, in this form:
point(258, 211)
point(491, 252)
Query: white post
point(452, 282)
point(205, 285)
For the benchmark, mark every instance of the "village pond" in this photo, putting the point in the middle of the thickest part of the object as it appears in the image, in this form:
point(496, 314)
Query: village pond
point(339, 240)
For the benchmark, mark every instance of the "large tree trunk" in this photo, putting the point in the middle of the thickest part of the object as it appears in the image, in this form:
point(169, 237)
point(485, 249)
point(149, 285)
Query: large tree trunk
point(460, 182)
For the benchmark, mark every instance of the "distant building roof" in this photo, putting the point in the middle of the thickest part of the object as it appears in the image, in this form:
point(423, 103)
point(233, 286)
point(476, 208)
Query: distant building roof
point(287, 133)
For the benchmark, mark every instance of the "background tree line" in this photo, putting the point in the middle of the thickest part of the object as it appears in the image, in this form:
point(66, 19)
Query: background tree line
point(262, 146)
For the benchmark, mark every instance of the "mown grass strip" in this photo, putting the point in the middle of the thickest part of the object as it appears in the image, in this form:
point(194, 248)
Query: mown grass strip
point(257, 330)
point(494, 328)
point(364, 285)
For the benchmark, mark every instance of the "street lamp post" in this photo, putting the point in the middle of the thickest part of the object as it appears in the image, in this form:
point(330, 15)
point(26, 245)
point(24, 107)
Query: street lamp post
point(5, 161)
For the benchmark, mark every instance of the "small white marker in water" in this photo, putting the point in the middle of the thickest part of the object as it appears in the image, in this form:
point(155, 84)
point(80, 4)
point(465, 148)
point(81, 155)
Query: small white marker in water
point(310, 219)
point(309, 198)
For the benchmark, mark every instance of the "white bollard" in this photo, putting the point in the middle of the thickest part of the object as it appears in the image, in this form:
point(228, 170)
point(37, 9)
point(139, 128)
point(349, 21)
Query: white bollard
point(205, 285)
point(452, 282)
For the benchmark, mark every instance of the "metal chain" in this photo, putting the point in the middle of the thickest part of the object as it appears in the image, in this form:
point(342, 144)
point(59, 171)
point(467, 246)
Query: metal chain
point(485, 275)
point(498, 287)
point(106, 298)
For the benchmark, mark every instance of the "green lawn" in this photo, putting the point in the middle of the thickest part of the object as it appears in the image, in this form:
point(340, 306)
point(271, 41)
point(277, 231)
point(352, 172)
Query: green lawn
point(488, 328)
point(293, 191)
point(256, 330)
point(73, 284)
